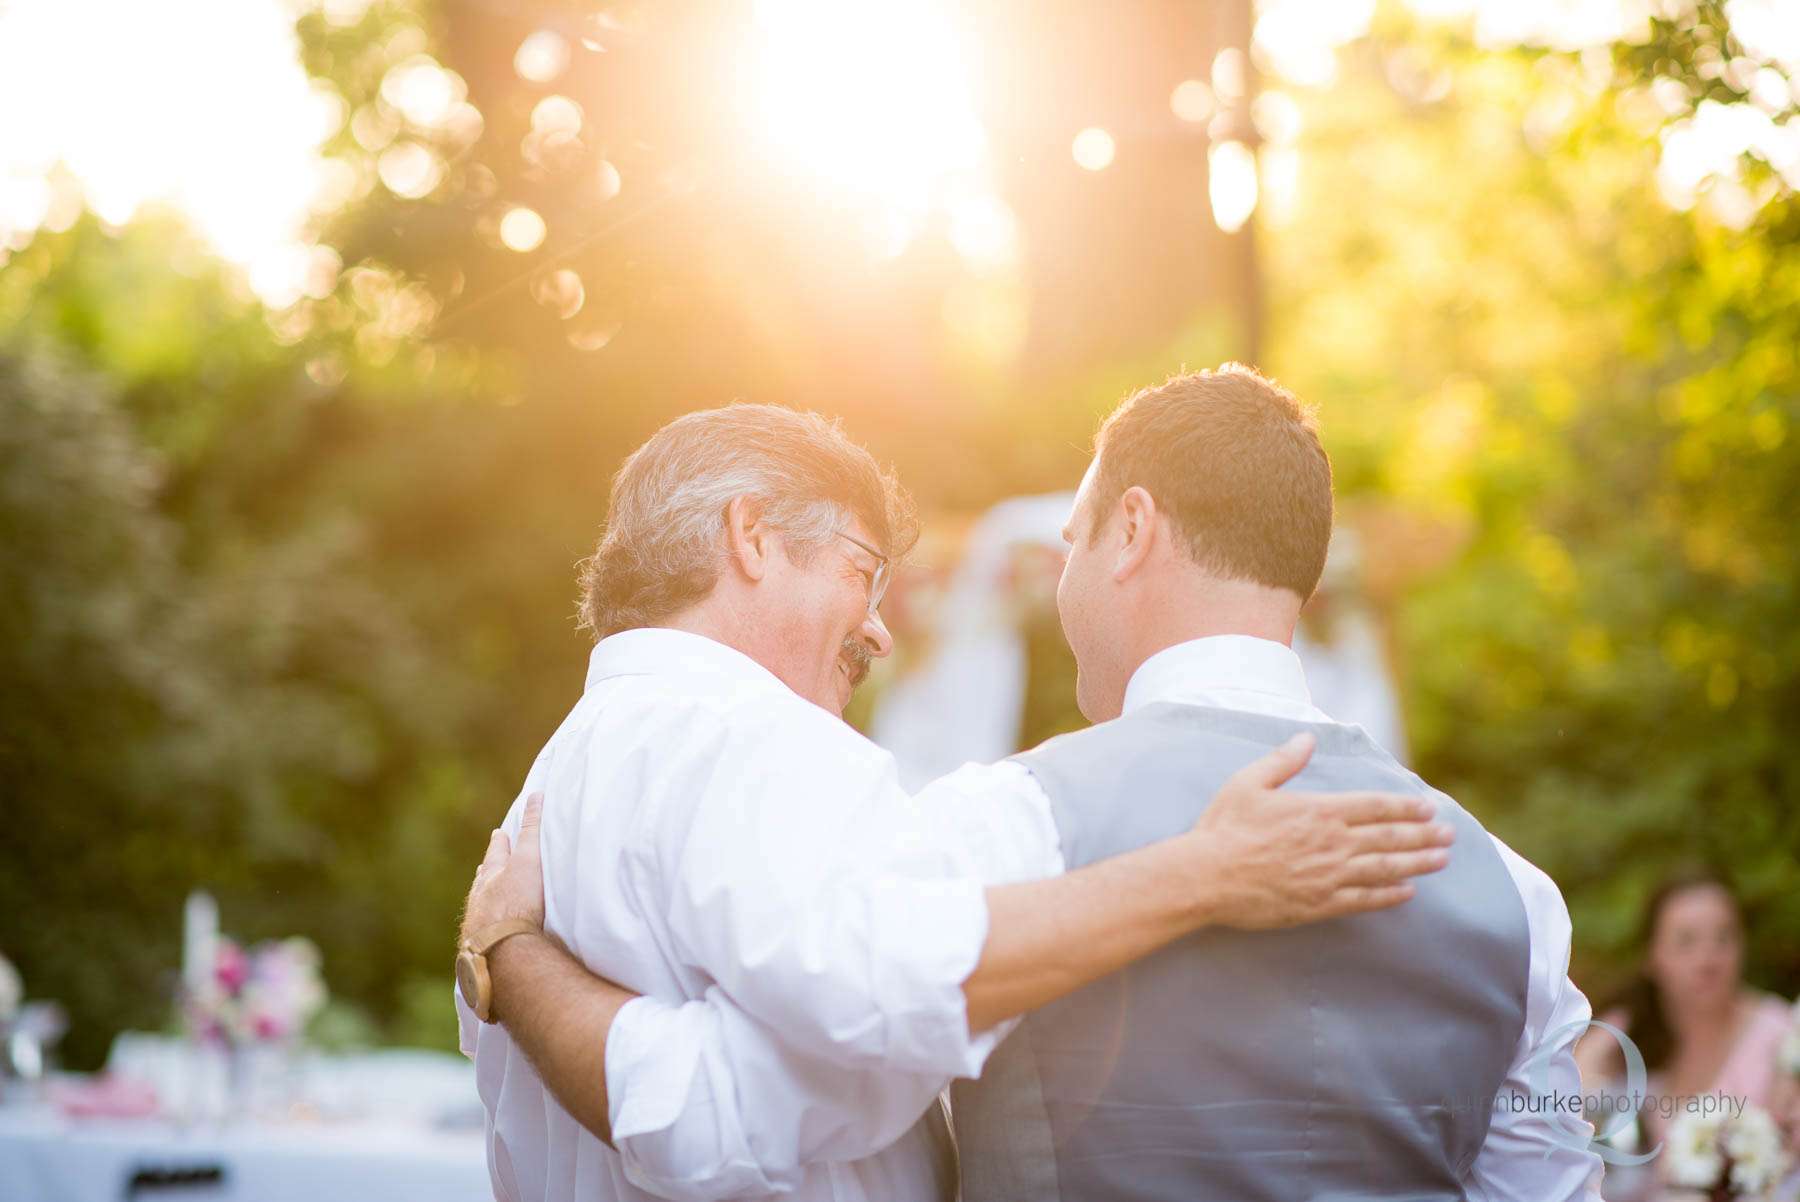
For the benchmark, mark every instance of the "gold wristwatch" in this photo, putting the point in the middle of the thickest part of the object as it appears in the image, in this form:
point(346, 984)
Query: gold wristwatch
point(471, 964)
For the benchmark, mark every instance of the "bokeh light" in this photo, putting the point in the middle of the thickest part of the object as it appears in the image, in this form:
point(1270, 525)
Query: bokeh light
point(559, 291)
point(1231, 184)
point(522, 229)
point(1230, 75)
point(1093, 149)
point(1192, 100)
point(1297, 40)
point(423, 92)
point(410, 170)
point(1277, 118)
point(542, 56)
point(606, 181)
point(556, 114)
point(593, 335)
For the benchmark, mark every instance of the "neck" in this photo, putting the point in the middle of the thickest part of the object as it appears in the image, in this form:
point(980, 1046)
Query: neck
point(1690, 1019)
point(1216, 607)
point(716, 619)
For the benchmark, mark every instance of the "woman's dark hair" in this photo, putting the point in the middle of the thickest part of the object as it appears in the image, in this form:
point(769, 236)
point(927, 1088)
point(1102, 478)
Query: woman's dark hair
point(1645, 1020)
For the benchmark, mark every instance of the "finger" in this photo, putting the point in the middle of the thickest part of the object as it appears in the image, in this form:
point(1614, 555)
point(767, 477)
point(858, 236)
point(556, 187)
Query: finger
point(1357, 809)
point(1399, 836)
point(1278, 766)
point(1360, 899)
point(1393, 867)
point(499, 846)
point(530, 823)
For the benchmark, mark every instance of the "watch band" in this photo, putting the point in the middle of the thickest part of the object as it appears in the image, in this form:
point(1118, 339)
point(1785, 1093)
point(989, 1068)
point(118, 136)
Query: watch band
point(483, 941)
point(471, 963)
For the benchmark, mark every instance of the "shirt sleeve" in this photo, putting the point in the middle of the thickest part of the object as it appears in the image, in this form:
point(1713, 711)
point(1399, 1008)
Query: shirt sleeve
point(1537, 1148)
point(791, 883)
point(677, 1082)
point(1000, 816)
point(676, 1074)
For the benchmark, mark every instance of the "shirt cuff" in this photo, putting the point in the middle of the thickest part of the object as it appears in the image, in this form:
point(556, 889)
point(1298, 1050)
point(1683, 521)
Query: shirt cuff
point(467, 1025)
point(638, 1101)
point(674, 1120)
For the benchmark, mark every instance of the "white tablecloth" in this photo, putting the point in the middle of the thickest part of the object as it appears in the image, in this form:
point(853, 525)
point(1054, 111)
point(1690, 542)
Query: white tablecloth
point(45, 1157)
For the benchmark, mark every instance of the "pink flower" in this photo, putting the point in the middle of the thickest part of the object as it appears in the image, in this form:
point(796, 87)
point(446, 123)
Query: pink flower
point(265, 993)
point(232, 966)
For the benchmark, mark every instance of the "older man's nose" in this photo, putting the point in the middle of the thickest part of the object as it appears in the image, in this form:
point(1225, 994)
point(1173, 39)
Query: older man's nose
point(875, 636)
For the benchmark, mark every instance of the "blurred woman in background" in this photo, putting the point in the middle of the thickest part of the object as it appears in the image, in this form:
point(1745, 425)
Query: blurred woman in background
point(1702, 1030)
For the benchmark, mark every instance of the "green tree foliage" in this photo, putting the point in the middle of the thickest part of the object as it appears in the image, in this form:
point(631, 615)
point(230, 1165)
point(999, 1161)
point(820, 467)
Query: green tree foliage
point(1518, 337)
point(214, 674)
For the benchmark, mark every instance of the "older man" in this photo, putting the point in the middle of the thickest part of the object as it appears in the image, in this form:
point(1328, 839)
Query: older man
point(819, 953)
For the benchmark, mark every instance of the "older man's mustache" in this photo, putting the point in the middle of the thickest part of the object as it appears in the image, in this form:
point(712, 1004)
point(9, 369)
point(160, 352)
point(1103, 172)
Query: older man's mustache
point(857, 658)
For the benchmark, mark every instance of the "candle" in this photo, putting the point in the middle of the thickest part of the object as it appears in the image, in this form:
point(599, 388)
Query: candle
point(199, 939)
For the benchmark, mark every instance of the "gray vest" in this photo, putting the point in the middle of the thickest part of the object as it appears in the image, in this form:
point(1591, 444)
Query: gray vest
point(1355, 1058)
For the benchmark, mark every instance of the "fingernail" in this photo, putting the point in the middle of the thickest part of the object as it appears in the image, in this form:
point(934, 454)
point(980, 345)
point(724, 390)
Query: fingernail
point(1444, 831)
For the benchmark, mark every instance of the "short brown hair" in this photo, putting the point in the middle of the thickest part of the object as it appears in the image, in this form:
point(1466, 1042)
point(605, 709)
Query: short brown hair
point(660, 550)
point(1234, 460)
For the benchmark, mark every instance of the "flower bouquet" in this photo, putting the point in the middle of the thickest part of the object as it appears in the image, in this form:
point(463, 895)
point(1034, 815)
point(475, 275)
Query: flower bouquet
point(1787, 1052)
point(263, 995)
point(1723, 1159)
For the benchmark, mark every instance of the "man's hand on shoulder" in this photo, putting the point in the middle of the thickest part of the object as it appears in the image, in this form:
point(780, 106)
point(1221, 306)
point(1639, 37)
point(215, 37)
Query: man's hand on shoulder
point(1260, 857)
point(510, 881)
point(1280, 857)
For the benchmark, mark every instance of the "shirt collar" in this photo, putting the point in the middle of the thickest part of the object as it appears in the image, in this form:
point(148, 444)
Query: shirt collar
point(1221, 662)
point(656, 650)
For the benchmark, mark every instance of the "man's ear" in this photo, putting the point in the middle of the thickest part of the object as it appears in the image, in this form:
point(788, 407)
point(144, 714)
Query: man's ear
point(749, 541)
point(1138, 510)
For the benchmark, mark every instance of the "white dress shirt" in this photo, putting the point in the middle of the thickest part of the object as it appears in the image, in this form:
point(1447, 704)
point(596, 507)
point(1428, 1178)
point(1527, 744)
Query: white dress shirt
point(708, 834)
point(708, 1103)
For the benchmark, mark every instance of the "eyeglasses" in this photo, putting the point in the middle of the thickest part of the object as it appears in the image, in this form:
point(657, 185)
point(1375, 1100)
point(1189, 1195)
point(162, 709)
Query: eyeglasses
point(878, 585)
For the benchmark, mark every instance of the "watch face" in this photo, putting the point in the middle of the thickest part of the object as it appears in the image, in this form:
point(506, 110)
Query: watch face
point(468, 979)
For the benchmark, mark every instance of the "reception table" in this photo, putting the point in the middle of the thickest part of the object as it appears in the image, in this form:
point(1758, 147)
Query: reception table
point(382, 1126)
point(48, 1157)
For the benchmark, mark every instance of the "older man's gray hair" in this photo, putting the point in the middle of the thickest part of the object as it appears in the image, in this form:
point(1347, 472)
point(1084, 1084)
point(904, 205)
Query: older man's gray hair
point(662, 548)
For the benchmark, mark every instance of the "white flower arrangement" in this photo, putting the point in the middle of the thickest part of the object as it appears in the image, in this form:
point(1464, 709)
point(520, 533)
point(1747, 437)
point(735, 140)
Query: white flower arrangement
point(1696, 1156)
point(1753, 1145)
point(1738, 1158)
point(1787, 1052)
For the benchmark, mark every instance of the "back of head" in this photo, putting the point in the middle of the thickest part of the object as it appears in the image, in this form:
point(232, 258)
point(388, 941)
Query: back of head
point(1234, 461)
point(662, 545)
